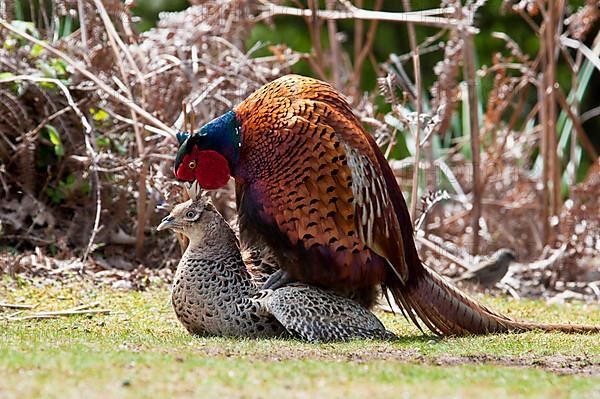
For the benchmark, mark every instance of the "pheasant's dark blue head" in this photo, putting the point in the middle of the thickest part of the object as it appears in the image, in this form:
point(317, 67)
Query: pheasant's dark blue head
point(209, 155)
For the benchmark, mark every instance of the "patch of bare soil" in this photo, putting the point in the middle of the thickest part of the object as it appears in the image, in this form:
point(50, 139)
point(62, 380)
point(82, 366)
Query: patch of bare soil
point(563, 365)
point(559, 364)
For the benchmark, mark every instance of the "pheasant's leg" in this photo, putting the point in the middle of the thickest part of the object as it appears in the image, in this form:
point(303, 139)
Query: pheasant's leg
point(277, 280)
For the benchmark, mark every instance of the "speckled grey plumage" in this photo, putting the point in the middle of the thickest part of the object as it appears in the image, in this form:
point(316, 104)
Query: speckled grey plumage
point(211, 296)
point(214, 292)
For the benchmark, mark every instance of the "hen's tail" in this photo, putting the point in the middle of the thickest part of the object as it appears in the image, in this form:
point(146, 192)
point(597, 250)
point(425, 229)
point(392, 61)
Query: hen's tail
point(446, 310)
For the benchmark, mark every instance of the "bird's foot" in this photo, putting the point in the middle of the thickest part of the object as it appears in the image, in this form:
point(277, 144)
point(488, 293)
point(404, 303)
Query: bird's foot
point(277, 280)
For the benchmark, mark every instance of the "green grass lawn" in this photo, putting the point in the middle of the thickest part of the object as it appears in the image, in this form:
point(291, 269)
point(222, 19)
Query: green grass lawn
point(140, 350)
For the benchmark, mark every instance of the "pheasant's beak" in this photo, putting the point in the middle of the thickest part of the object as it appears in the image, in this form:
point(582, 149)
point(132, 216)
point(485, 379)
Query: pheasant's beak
point(166, 223)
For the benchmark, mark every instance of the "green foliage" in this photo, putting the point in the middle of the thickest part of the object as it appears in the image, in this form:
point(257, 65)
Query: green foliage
point(62, 190)
point(99, 115)
point(13, 40)
point(54, 137)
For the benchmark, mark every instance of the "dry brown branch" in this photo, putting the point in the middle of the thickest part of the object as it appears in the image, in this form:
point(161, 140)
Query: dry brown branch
point(15, 305)
point(77, 310)
point(550, 36)
point(180, 120)
point(417, 72)
point(477, 189)
point(116, 41)
point(60, 313)
point(359, 28)
point(443, 252)
point(334, 47)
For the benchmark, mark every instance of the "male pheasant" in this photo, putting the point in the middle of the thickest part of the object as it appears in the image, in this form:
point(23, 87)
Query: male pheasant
point(214, 293)
point(312, 184)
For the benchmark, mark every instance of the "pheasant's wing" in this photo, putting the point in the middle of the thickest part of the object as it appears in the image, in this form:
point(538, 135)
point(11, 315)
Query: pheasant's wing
point(324, 189)
point(316, 315)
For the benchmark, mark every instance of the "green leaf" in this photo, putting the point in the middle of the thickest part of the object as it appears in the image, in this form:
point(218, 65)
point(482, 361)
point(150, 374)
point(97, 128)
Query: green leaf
point(99, 115)
point(120, 148)
point(5, 75)
point(103, 142)
point(59, 66)
point(16, 87)
point(36, 50)
point(70, 181)
point(59, 149)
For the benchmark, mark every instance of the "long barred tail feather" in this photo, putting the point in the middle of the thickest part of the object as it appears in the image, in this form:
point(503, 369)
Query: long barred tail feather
point(446, 310)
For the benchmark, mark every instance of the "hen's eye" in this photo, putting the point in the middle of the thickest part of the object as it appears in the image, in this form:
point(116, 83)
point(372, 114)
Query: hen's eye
point(192, 164)
point(190, 214)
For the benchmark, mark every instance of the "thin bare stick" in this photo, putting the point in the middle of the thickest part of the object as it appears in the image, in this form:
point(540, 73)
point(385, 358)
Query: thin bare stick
point(179, 123)
point(85, 306)
point(469, 72)
point(15, 306)
point(583, 138)
point(141, 205)
point(359, 27)
point(334, 47)
point(443, 252)
point(33, 132)
point(132, 122)
point(166, 130)
point(544, 151)
point(112, 32)
point(422, 17)
point(314, 30)
point(362, 55)
point(550, 25)
point(82, 25)
point(412, 38)
point(60, 313)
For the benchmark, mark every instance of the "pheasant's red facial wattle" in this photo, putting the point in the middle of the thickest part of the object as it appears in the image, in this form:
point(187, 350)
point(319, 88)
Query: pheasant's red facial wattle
point(208, 167)
point(184, 172)
point(212, 170)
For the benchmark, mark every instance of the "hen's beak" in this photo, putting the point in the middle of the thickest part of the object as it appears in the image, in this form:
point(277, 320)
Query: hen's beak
point(166, 223)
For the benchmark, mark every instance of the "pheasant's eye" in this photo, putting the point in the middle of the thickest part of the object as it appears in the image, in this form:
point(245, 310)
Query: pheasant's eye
point(190, 214)
point(192, 164)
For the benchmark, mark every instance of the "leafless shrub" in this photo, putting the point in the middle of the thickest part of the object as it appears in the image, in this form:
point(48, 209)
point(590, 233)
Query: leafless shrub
point(205, 65)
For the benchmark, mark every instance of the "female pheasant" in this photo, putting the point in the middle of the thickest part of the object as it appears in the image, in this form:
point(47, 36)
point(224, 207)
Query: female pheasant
point(215, 293)
point(312, 184)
